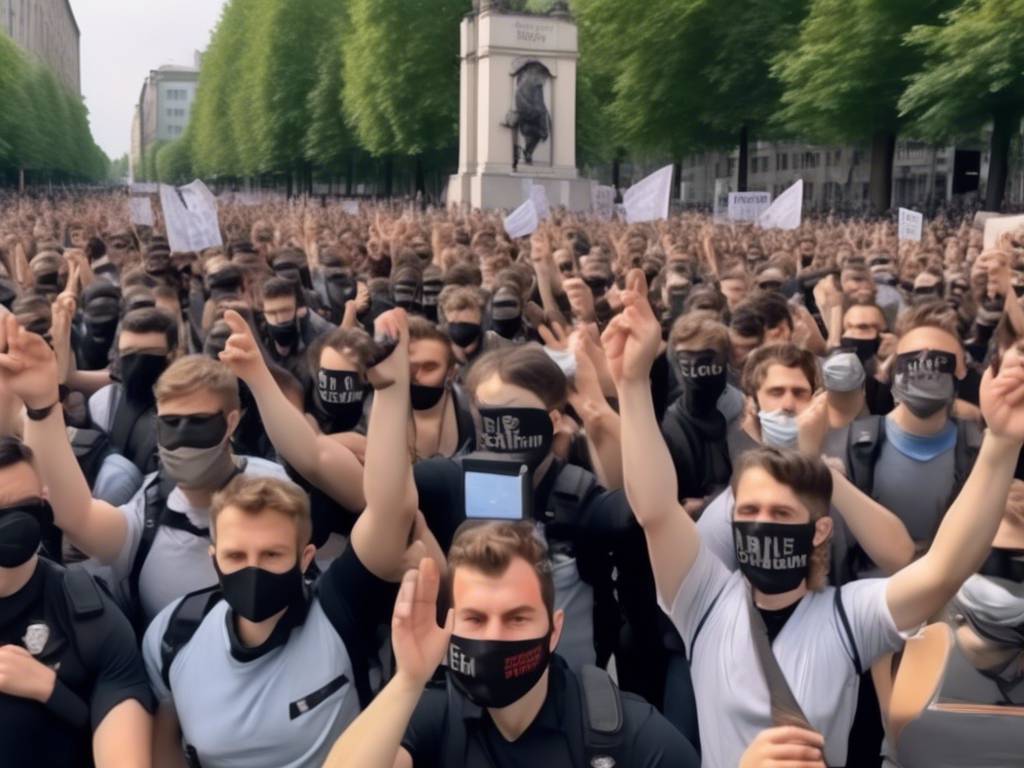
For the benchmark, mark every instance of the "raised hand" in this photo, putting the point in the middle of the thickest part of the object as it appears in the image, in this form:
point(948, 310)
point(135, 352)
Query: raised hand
point(581, 298)
point(1002, 397)
point(785, 746)
point(812, 425)
point(28, 367)
point(420, 644)
point(241, 352)
point(391, 328)
point(632, 339)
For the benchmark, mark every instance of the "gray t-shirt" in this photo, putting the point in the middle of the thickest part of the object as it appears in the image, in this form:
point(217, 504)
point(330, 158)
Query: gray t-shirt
point(917, 492)
point(178, 562)
point(812, 650)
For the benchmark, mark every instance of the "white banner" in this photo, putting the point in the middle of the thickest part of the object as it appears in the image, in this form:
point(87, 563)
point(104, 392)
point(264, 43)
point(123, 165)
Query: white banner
point(602, 200)
point(140, 211)
point(191, 219)
point(523, 221)
point(351, 207)
point(540, 201)
point(911, 223)
point(648, 199)
point(748, 206)
point(997, 225)
point(786, 211)
point(144, 188)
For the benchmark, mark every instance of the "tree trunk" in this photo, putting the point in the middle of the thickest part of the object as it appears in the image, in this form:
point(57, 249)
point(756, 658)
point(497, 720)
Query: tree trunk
point(350, 172)
point(677, 178)
point(744, 161)
point(883, 150)
point(389, 176)
point(1003, 123)
point(616, 171)
point(421, 183)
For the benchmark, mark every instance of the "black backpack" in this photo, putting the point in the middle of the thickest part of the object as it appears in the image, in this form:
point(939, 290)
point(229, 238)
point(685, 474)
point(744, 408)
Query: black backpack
point(91, 447)
point(594, 728)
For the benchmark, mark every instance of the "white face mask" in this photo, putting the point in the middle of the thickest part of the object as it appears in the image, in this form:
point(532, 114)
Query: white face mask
point(843, 372)
point(778, 429)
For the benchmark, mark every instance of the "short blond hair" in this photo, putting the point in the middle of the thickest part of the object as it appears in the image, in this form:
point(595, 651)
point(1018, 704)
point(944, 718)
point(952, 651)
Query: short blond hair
point(257, 495)
point(458, 298)
point(194, 373)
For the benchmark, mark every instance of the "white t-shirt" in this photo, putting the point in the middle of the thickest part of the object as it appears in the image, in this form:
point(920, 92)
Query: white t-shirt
point(733, 704)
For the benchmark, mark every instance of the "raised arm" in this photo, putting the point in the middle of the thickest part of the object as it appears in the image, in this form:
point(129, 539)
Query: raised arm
point(373, 740)
point(28, 369)
point(382, 535)
point(631, 342)
point(325, 462)
point(965, 537)
point(879, 532)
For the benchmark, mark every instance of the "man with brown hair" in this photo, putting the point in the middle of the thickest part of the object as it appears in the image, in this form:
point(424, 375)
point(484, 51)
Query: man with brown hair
point(499, 640)
point(733, 622)
point(155, 545)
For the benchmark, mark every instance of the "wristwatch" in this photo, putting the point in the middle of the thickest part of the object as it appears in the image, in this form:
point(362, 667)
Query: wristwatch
point(38, 414)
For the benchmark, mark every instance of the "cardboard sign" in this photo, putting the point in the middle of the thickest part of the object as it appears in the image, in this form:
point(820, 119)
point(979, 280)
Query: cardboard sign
point(140, 211)
point(786, 211)
point(911, 223)
point(602, 199)
point(648, 199)
point(523, 221)
point(191, 218)
point(996, 226)
point(748, 206)
point(144, 188)
point(351, 207)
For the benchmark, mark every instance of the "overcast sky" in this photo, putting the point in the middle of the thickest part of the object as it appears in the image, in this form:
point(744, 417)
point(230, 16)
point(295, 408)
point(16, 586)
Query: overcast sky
point(121, 41)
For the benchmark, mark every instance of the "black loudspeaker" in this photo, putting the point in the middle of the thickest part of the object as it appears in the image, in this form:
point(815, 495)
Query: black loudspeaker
point(966, 171)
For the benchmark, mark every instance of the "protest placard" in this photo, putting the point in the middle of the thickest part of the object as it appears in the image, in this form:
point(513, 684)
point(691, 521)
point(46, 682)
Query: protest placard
point(539, 196)
point(997, 225)
point(911, 223)
point(648, 199)
point(786, 211)
point(144, 188)
point(190, 215)
point(140, 211)
point(523, 221)
point(602, 199)
point(747, 206)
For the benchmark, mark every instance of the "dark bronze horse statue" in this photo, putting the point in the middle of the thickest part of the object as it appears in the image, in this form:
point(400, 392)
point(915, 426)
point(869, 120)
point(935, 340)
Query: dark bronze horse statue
point(531, 118)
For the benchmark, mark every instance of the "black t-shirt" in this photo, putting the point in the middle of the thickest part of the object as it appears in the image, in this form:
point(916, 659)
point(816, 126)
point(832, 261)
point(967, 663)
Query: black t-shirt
point(99, 664)
point(774, 621)
point(648, 739)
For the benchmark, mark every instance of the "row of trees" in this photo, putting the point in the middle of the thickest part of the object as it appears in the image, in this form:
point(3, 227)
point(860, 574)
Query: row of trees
point(44, 128)
point(297, 86)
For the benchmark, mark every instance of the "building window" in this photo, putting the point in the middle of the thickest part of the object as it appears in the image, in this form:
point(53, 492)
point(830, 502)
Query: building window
point(781, 162)
point(732, 165)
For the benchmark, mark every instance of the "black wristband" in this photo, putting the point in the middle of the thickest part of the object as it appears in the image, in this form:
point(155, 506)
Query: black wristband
point(38, 414)
point(66, 704)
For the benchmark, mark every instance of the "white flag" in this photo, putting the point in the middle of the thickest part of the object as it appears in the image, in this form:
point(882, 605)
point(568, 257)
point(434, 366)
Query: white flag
point(748, 206)
point(191, 219)
point(786, 211)
point(540, 201)
point(910, 224)
point(523, 221)
point(648, 199)
point(140, 211)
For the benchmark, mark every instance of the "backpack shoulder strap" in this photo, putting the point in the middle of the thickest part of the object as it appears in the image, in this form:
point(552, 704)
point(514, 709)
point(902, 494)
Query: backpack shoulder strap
point(155, 494)
point(968, 443)
point(841, 610)
point(864, 444)
point(82, 594)
point(572, 485)
point(184, 621)
point(454, 746)
point(603, 718)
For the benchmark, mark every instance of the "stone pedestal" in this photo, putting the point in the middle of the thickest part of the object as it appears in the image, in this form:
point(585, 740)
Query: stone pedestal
point(498, 51)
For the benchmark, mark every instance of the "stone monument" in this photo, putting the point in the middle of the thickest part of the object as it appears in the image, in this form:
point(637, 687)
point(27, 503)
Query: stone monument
point(517, 110)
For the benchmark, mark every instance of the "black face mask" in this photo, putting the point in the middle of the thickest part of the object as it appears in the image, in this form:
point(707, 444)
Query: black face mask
point(923, 381)
point(21, 531)
point(775, 557)
point(496, 673)
point(598, 285)
point(101, 328)
point(340, 394)
point(285, 334)
point(866, 349)
point(806, 259)
point(516, 430)
point(257, 594)
point(508, 328)
point(464, 334)
point(139, 372)
point(174, 432)
point(702, 376)
point(8, 292)
point(340, 290)
point(424, 398)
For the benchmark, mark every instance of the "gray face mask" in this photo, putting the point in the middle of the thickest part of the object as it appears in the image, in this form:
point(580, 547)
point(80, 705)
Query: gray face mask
point(204, 469)
point(923, 381)
point(843, 372)
point(778, 429)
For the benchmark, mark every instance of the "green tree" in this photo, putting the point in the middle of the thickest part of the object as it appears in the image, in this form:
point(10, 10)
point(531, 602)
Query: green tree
point(328, 141)
point(401, 74)
point(845, 75)
point(174, 162)
point(118, 169)
point(973, 74)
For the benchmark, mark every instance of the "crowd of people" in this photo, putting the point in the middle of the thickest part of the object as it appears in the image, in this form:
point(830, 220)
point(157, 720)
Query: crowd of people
point(391, 488)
